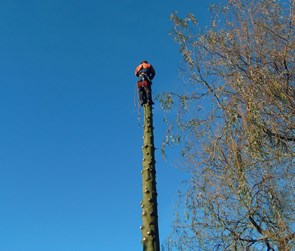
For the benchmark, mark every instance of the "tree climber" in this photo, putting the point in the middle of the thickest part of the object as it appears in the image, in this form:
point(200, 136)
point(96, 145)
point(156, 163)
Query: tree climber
point(145, 73)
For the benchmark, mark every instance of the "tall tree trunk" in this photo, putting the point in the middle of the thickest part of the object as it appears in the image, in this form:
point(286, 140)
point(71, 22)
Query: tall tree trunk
point(149, 228)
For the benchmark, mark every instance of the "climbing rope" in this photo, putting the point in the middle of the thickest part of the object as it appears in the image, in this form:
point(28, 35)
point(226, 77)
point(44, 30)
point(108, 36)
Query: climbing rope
point(137, 104)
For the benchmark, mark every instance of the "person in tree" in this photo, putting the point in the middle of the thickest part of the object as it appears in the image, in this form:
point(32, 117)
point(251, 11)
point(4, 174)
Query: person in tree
point(145, 73)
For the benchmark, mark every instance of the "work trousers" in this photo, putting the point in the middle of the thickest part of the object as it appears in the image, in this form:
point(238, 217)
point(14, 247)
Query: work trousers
point(145, 94)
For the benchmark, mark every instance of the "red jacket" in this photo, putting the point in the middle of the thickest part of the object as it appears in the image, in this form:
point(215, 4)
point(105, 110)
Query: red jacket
point(147, 69)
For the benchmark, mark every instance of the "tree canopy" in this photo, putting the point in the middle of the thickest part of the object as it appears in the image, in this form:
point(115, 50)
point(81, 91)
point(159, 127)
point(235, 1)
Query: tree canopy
point(235, 121)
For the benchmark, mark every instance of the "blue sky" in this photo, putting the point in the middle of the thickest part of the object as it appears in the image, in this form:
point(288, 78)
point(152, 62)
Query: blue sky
point(70, 141)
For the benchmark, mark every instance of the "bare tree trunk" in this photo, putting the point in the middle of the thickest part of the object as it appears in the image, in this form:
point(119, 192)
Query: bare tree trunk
point(149, 228)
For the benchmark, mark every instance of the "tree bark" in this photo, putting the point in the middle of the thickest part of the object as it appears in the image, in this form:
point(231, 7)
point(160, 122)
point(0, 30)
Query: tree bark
point(149, 228)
